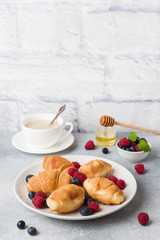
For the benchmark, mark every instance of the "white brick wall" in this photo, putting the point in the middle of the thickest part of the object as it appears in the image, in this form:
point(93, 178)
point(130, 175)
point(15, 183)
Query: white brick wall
point(97, 56)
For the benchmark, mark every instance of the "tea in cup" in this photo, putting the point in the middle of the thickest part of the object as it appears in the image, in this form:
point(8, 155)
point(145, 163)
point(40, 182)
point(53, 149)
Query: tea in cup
point(40, 133)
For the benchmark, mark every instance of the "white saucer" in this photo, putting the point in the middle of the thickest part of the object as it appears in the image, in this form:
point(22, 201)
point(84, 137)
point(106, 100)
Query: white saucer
point(20, 143)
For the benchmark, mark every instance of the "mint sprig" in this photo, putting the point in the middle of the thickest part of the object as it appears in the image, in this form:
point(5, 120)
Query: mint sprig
point(133, 136)
point(144, 146)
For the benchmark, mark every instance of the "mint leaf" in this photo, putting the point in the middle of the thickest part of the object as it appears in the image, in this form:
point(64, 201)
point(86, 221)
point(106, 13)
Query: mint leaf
point(133, 136)
point(144, 146)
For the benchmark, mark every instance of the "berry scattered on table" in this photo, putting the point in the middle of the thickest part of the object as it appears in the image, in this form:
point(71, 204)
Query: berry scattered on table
point(143, 218)
point(105, 150)
point(89, 145)
point(75, 181)
point(76, 165)
point(31, 194)
point(139, 168)
point(86, 211)
point(113, 179)
point(124, 142)
point(21, 224)
point(28, 177)
point(32, 231)
point(94, 206)
point(121, 184)
point(81, 176)
point(40, 194)
point(38, 202)
point(71, 171)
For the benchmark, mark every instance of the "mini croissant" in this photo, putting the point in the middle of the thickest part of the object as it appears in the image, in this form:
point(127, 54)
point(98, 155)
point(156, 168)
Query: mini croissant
point(96, 168)
point(103, 190)
point(66, 198)
point(56, 162)
point(48, 181)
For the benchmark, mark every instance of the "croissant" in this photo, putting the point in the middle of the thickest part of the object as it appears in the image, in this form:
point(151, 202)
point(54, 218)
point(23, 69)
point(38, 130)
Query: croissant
point(48, 181)
point(56, 162)
point(103, 190)
point(66, 198)
point(96, 168)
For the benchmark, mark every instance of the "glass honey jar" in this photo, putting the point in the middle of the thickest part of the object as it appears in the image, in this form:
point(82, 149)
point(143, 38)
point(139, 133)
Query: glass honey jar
point(105, 136)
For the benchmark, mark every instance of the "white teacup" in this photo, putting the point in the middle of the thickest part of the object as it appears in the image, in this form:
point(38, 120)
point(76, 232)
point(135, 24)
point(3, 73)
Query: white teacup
point(40, 137)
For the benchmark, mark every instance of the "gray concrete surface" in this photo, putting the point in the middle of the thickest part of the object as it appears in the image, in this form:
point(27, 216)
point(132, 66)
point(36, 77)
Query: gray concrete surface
point(119, 225)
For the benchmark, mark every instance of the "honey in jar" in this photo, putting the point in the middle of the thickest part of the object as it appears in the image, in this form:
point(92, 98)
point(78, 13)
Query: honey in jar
point(105, 136)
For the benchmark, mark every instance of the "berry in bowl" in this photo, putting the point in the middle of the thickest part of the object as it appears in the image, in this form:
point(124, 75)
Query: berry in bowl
point(133, 148)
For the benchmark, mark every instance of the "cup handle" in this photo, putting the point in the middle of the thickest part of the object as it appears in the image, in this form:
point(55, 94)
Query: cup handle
point(68, 132)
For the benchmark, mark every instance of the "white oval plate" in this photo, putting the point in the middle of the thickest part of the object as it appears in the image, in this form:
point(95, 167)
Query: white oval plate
point(21, 144)
point(118, 171)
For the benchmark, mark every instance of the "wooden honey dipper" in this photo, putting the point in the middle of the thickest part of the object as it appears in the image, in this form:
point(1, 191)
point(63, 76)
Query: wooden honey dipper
point(108, 121)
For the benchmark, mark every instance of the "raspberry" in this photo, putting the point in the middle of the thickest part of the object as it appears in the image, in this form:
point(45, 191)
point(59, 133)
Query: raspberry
point(121, 184)
point(143, 218)
point(124, 142)
point(139, 168)
point(40, 194)
point(38, 202)
point(76, 165)
point(113, 179)
point(133, 144)
point(81, 176)
point(94, 206)
point(89, 145)
point(71, 171)
point(137, 148)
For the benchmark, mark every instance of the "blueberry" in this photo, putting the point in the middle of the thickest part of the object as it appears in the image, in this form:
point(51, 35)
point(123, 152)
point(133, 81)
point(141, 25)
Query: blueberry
point(28, 177)
point(132, 149)
point(32, 231)
point(21, 224)
point(31, 194)
point(105, 150)
point(144, 139)
point(137, 140)
point(45, 203)
point(75, 181)
point(86, 198)
point(123, 148)
point(86, 211)
point(90, 200)
point(127, 149)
